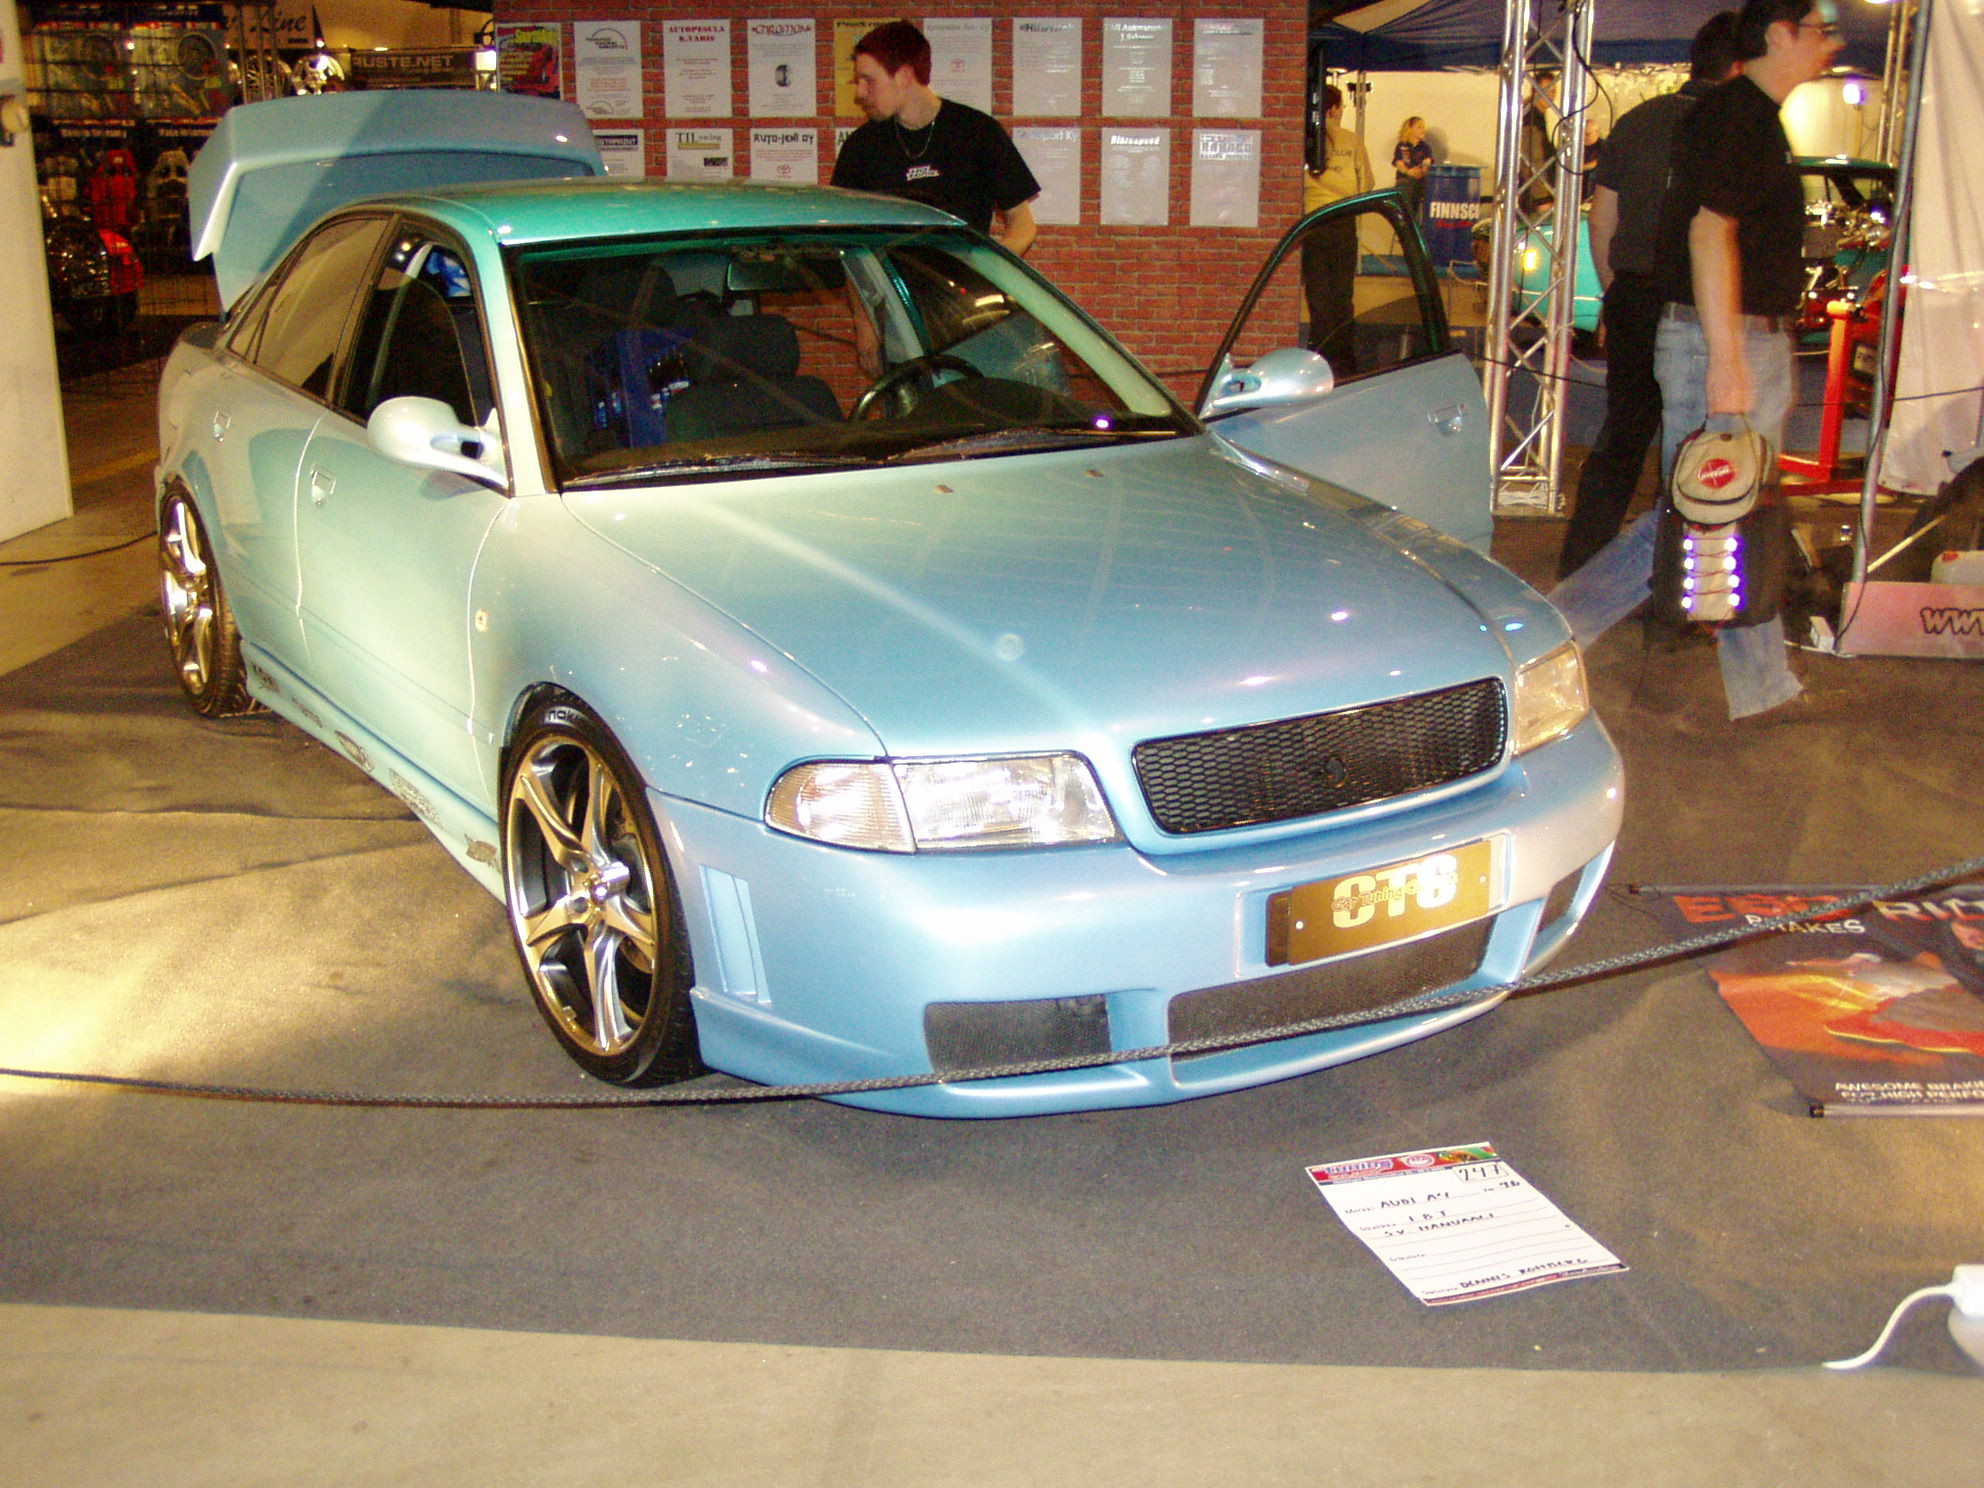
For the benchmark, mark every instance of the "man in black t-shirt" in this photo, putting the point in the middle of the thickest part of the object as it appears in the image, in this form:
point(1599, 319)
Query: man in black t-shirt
point(1730, 250)
point(930, 149)
point(1629, 185)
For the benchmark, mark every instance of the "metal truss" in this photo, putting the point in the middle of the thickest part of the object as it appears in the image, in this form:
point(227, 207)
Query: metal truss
point(1526, 374)
point(262, 74)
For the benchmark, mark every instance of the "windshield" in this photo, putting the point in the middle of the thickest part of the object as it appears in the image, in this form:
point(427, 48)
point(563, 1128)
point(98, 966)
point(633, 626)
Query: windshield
point(675, 356)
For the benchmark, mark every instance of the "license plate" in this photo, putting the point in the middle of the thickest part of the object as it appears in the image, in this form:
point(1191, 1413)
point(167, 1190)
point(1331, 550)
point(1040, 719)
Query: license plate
point(1359, 911)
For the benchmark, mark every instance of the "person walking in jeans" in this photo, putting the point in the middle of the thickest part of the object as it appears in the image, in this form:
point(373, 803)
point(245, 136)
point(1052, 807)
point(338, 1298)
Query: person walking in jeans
point(1625, 220)
point(1731, 234)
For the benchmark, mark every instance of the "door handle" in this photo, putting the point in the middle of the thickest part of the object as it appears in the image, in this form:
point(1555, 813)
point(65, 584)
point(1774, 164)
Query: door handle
point(220, 425)
point(322, 484)
point(1448, 420)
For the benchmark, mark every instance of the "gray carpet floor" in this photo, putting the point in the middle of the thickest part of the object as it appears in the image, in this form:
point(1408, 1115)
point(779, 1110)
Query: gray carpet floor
point(228, 902)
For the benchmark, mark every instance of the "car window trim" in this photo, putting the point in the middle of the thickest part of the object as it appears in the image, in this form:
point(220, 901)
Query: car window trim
point(437, 234)
point(342, 349)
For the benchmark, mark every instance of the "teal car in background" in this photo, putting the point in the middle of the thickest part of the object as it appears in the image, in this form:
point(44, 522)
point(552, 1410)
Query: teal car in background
point(1849, 206)
point(838, 654)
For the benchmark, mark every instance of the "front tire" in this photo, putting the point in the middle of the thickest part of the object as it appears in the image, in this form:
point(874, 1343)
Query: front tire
point(593, 911)
point(199, 622)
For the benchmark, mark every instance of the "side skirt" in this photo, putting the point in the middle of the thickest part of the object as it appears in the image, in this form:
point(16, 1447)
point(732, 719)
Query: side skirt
point(466, 830)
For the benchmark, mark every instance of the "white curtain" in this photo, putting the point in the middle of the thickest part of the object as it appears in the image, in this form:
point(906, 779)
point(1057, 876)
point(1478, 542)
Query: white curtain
point(1937, 405)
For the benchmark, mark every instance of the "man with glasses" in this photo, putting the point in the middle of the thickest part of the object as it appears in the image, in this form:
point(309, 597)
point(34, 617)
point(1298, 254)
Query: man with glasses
point(1631, 182)
point(1731, 244)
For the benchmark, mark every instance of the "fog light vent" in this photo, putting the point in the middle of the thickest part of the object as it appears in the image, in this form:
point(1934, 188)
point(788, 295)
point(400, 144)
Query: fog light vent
point(969, 1035)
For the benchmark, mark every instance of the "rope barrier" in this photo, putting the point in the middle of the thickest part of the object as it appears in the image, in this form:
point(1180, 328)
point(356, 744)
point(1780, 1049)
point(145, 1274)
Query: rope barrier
point(744, 1094)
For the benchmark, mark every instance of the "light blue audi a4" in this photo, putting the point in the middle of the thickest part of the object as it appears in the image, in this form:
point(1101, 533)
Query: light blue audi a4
point(840, 656)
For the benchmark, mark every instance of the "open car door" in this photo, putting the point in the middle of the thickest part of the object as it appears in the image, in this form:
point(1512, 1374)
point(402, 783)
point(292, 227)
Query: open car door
point(1339, 364)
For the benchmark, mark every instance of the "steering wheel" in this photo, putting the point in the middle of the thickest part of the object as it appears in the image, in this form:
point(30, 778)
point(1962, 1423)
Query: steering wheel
point(898, 376)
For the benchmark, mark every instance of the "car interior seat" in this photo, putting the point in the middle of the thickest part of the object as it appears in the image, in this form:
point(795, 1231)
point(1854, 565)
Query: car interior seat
point(743, 376)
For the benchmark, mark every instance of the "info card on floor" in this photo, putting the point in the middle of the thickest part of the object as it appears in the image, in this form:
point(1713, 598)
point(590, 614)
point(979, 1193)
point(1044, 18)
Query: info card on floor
point(1456, 1223)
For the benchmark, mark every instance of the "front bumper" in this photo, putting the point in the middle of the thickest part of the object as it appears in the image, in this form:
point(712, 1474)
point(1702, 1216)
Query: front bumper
point(817, 964)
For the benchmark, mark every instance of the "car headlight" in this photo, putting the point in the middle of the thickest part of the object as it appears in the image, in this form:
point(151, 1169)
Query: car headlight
point(1550, 698)
point(1044, 800)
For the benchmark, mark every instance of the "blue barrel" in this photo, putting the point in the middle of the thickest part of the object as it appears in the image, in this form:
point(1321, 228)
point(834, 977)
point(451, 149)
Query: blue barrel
point(1453, 201)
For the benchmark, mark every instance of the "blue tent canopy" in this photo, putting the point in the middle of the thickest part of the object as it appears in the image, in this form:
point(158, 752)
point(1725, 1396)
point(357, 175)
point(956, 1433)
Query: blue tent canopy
point(1468, 33)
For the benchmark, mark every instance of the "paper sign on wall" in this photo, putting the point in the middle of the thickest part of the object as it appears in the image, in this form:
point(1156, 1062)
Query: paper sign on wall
point(1226, 69)
point(1136, 177)
point(1054, 155)
point(1047, 67)
point(961, 60)
point(624, 152)
point(847, 32)
point(784, 78)
point(606, 63)
point(695, 69)
point(788, 155)
point(700, 154)
point(1136, 68)
point(530, 58)
point(1226, 178)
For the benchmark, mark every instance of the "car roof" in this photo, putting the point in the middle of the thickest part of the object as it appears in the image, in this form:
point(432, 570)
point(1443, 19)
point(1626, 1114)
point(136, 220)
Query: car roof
point(553, 211)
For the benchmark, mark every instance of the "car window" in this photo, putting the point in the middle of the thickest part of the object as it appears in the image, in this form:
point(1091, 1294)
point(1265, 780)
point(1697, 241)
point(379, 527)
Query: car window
point(251, 314)
point(1346, 289)
point(419, 334)
point(834, 347)
point(299, 335)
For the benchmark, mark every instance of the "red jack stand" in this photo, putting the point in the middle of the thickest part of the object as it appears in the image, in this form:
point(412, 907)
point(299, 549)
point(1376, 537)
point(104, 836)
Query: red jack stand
point(1856, 334)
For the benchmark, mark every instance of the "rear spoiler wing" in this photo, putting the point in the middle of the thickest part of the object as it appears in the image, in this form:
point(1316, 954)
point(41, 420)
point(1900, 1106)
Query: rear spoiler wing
point(286, 162)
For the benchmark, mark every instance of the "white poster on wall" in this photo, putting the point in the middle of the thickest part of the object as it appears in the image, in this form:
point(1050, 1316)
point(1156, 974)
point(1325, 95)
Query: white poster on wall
point(1054, 154)
point(624, 152)
point(695, 69)
point(1226, 178)
point(606, 57)
point(1226, 69)
point(1136, 68)
point(788, 155)
point(1136, 177)
point(961, 59)
point(779, 57)
point(1047, 67)
point(700, 154)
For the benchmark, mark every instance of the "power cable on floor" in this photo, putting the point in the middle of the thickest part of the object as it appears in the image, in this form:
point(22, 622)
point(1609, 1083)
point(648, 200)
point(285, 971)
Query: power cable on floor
point(1428, 1002)
point(75, 557)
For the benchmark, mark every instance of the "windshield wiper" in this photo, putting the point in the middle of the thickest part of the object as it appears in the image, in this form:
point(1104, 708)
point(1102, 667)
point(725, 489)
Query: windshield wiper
point(715, 465)
point(1027, 437)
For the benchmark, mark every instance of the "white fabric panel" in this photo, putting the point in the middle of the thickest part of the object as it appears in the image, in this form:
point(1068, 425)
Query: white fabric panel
point(1942, 334)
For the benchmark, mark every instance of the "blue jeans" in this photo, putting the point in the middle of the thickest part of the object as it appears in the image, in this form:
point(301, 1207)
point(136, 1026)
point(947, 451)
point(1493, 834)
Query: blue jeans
point(1616, 581)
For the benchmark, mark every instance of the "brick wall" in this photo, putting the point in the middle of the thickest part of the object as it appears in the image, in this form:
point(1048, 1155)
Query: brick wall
point(1167, 292)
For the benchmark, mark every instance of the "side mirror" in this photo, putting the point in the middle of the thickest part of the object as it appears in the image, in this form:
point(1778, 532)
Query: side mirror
point(424, 433)
point(1287, 375)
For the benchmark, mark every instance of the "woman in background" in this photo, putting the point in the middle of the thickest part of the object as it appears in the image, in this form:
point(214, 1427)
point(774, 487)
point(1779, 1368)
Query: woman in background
point(1409, 162)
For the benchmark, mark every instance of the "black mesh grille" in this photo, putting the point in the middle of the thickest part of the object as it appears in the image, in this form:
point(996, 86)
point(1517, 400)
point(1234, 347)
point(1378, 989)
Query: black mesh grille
point(968, 1035)
point(1297, 767)
point(1369, 983)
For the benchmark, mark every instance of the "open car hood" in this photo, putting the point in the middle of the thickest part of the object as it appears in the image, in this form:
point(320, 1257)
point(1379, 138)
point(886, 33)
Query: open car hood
point(271, 169)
